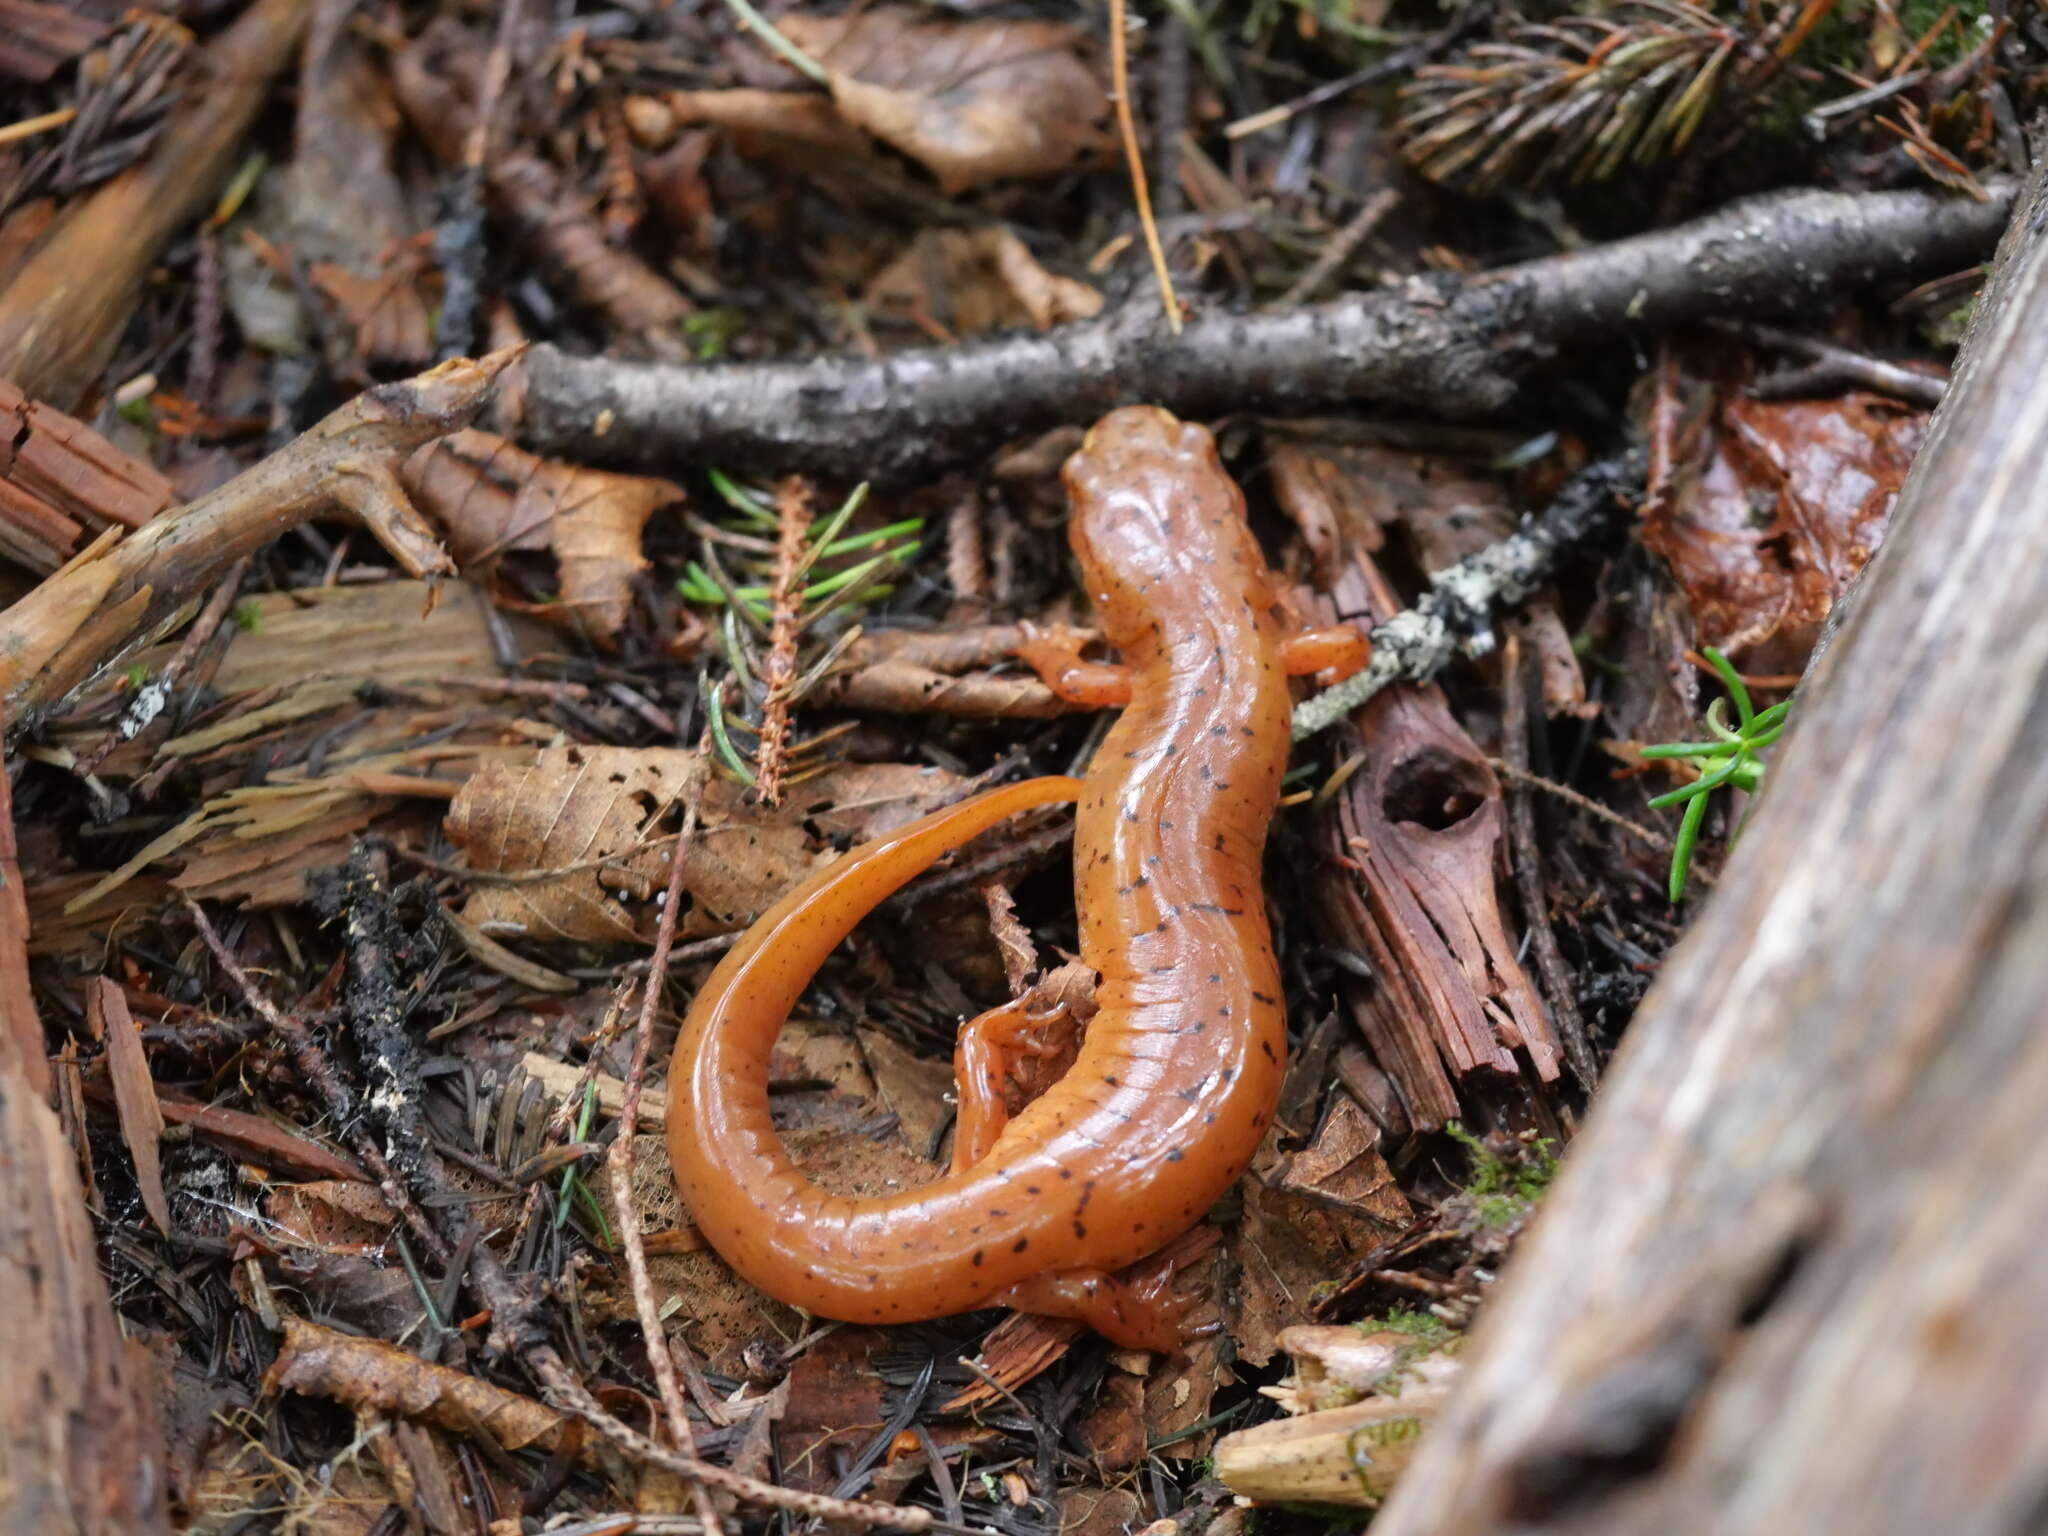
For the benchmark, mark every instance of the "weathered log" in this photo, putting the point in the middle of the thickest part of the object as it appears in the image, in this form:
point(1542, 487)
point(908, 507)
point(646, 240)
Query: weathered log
point(1794, 1277)
point(81, 1447)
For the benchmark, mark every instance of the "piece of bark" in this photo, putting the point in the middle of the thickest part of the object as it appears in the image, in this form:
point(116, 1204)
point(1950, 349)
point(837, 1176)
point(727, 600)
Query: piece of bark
point(114, 597)
point(1792, 1277)
point(1348, 1455)
point(142, 1121)
point(1413, 842)
point(1445, 345)
point(81, 1448)
point(58, 477)
point(38, 38)
point(64, 312)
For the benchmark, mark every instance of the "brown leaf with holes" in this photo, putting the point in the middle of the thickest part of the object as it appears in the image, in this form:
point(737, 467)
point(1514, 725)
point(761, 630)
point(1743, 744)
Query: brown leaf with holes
point(972, 101)
point(1774, 508)
point(966, 281)
point(603, 819)
point(492, 498)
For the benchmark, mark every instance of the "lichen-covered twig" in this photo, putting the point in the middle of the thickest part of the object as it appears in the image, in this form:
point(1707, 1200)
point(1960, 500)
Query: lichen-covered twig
point(1457, 613)
point(1440, 344)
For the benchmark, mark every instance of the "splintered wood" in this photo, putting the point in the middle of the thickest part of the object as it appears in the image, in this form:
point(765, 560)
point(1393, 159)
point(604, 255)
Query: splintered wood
point(59, 478)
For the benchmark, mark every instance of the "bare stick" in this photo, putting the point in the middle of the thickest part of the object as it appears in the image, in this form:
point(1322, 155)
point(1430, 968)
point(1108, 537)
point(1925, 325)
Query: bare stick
point(1437, 344)
point(621, 1159)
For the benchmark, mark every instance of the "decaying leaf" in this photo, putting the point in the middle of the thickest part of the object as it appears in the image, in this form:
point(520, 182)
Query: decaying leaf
point(492, 498)
point(972, 101)
point(603, 819)
point(1775, 508)
point(971, 280)
point(371, 1375)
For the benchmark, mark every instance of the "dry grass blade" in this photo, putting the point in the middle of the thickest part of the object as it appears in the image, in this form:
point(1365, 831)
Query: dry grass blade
point(142, 1121)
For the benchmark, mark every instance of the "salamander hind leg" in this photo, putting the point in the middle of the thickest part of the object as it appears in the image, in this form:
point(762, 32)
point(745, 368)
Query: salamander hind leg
point(1055, 655)
point(1136, 1314)
point(990, 1044)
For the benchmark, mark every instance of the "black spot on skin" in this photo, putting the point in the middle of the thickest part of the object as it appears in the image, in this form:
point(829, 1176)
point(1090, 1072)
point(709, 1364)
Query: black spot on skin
point(1111, 1080)
point(993, 1212)
point(1209, 1118)
point(1260, 997)
point(1219, 729)
point(1021, 1244)
point(1226, 1075)
point(1189, 1094)
point(1267, 1047)
point(1079, 1229)
point(1173, 1156)
point(977, 1258)
point(1033, 1189)
point(873, 1277)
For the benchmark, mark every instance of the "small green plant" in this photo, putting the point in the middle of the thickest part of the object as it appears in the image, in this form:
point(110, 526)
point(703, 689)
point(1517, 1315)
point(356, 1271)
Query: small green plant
point(1730, 759)
point(248, 617)
point(1502, 1190)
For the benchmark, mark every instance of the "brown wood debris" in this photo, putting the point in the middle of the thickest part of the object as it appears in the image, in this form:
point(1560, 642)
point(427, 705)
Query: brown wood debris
point(59, 478)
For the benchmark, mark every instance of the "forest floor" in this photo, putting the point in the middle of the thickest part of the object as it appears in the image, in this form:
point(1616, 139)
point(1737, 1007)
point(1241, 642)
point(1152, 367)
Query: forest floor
point(499, 493)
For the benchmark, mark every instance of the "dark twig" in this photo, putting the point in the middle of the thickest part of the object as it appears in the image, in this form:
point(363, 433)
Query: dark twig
point(1437, 344)
point(1528, 862)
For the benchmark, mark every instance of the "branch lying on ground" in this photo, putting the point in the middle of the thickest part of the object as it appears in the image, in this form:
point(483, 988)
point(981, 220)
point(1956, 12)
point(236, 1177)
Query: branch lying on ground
point(114, 596)
point(1411, 646)
point(1436, 344)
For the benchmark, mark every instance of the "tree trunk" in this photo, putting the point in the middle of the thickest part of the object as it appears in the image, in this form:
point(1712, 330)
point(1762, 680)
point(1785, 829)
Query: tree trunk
point(1795, 1274)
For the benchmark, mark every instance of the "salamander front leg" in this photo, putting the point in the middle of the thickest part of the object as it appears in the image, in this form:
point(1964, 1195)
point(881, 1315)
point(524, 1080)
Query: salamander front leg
point(1055, 655)
point(1339, 648)
point(1136, 1314)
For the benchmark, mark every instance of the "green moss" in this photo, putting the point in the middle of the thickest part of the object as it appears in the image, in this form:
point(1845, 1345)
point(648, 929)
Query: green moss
point(1503, 1190)
point(248, 617)
point(1422, 1325)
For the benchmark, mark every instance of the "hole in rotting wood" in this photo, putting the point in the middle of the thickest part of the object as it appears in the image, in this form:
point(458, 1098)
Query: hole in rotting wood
point(1433, 788)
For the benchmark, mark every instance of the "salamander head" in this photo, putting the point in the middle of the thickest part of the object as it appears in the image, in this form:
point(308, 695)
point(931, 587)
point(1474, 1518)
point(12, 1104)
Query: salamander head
point(1152, 504)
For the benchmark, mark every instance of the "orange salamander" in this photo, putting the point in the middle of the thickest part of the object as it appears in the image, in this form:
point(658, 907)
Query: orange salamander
point(1180, 1069)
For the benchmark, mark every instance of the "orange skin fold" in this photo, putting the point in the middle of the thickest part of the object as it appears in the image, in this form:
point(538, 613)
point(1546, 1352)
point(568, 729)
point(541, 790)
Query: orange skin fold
point(1180, 1069)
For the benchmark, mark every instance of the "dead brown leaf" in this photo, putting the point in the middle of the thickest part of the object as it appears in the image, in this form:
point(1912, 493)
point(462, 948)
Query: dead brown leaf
point(603, 819)
point(142, 1121)
point(835, 1403)
point(972, 101)
point(967, 281)
point(1776, 508)
point(370, 1375)
point(492, 497)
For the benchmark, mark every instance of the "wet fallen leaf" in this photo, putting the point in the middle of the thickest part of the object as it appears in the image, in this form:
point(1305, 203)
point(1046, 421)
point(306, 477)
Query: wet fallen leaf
point(971, 280)
point(1776, 507)
point(972, 101)
point(492, 498)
